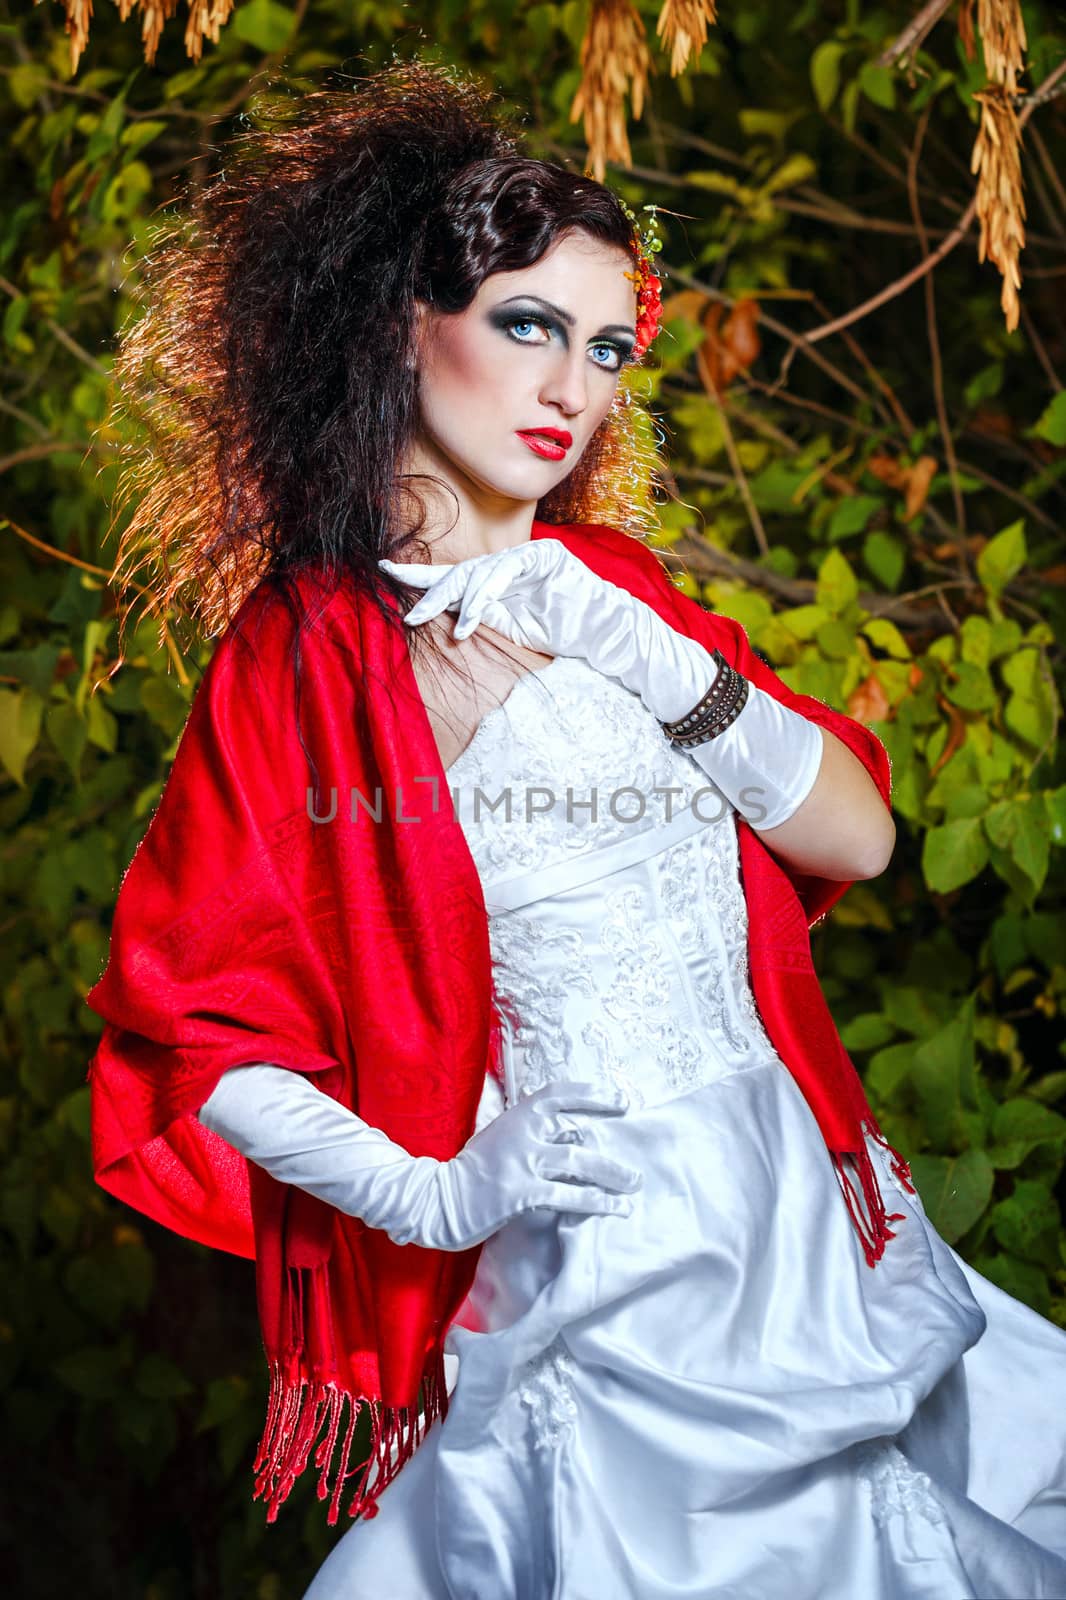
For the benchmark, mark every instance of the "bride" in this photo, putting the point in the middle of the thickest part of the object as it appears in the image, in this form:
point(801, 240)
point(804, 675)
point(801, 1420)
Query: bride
point(638, 1299)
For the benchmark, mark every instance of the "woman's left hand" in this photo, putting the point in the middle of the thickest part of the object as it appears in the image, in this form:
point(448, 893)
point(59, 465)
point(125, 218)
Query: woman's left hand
point(537, 594)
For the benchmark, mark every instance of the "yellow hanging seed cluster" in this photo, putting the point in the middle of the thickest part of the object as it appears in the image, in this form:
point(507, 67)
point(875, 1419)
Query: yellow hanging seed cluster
point(682, 27)
point(615, 62)
point(996, 158)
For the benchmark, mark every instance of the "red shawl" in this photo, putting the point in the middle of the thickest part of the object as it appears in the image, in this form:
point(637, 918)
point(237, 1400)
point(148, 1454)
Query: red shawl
point(357, 950)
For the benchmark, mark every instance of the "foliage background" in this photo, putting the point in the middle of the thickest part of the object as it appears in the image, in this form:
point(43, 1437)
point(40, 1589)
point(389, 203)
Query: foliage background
point(881, 510)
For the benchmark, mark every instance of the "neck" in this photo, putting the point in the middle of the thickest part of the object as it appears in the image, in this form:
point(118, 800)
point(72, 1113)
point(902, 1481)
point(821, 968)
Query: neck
point(468, 520)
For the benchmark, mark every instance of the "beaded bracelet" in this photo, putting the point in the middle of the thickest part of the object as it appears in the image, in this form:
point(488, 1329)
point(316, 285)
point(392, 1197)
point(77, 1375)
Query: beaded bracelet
point(718, 709)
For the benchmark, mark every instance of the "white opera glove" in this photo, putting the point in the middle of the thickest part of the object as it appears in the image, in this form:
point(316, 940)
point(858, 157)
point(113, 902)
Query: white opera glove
point(540, 595)
point(766, 762)
point(281, 1121)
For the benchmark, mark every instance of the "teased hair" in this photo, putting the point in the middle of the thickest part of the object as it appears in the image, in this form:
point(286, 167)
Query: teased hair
point(266, 377)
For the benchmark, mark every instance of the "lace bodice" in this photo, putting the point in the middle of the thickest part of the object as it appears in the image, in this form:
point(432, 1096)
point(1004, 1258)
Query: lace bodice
point(610, 868)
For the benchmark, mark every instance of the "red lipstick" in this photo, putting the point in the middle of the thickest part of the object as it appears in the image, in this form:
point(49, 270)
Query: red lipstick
point(551, 443)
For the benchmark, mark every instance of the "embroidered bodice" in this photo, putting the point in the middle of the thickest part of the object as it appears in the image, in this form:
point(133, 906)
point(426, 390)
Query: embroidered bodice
point(610, 868)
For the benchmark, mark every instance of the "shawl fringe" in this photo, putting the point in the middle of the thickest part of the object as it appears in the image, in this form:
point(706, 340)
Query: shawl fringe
point(871, 1224)
point(299, 1409)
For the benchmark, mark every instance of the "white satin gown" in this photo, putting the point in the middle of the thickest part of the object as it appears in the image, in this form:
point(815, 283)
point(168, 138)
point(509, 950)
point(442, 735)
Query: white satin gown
point(715, 1396)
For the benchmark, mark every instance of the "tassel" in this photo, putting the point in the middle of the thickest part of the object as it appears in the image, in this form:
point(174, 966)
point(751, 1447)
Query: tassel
point(296, 1413)
point(899, 1166)
point(871, 1225)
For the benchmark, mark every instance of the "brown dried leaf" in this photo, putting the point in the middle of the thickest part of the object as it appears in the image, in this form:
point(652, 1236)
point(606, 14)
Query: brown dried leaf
point(868, 701)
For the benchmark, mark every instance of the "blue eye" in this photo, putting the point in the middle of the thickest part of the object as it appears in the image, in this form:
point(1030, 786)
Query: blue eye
point(613, 350)
point(514, 326)
point(525, 322)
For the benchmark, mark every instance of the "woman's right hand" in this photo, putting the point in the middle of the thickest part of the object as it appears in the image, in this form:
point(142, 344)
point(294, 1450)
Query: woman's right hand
point(522, 1160)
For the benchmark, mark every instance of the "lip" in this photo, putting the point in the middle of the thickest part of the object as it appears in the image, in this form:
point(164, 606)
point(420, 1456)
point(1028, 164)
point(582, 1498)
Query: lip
point(551, 443)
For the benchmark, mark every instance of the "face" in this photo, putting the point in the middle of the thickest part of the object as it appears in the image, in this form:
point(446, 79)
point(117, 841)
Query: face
point(537, 349)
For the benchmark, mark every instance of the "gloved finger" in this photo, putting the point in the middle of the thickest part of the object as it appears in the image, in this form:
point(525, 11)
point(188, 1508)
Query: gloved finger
point(588, 1202)
point(501, 619)
point(444, 595)
point(577, 1095)
point(588, 1166)
point(452, 586)
point(419, 574)
point(484, 588)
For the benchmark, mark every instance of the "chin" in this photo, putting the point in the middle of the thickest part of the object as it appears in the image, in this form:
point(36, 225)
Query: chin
point(521, 486)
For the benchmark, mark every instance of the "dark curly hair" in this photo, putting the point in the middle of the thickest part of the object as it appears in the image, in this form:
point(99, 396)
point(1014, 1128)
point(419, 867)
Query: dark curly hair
point(267, 382)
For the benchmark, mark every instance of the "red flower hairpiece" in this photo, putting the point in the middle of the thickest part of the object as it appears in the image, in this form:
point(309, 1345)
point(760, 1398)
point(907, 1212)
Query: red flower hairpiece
point(646, 244)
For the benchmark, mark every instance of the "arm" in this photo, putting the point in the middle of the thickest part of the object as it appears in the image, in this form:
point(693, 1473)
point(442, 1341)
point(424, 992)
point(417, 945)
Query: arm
point(302, 1136)
point(829, 813)
point(843, 829)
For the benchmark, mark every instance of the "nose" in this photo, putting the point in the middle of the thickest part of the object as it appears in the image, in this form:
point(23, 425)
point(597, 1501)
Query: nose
point(566, 384)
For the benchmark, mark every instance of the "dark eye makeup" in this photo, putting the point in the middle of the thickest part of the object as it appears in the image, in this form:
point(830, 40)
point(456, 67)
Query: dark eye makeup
point(507, 318)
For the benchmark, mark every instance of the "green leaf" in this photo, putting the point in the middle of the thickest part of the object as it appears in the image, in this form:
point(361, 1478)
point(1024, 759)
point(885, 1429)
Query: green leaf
point(970, 687)
point(885, 556)
point(774, 489)
point(849, 104)
point(954, 854)
point(101, 725)
point(888, 1069)
point(165, 703)
point(879, 85)
point(1002, 557)
point(1030, 710)
point(836, 587)
point(124, 194)
point(26, 80)
point(867, 1031)
point(836, 640)
point(20, 727)
point(851, 514)
point(14, 317)
point(1006, 636)
point(968, 800)
point(36, 668)
point(140, 134)
point(68, 731)
point(1027, 1223)
point(804, 621)
point(1019, 1126)
point(862, 907)
point(1051, 425)
point(1019, 826)
point(976, 640)
point(746, 606)
point(1020, 1279)
point(825, 71)
point(942, 1064)
point(797, 168)
point(984, 385)
point(105, 136)
point(955, 1190)
point(886, 636)
point(263, 23)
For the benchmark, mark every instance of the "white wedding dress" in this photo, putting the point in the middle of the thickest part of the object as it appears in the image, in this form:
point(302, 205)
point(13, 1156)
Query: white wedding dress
point(715, 1396)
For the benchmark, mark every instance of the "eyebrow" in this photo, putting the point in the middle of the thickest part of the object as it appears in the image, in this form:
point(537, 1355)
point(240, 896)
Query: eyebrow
point(565, 316)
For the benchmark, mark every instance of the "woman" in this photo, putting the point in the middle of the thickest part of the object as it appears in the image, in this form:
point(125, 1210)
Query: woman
point(642, 1214)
